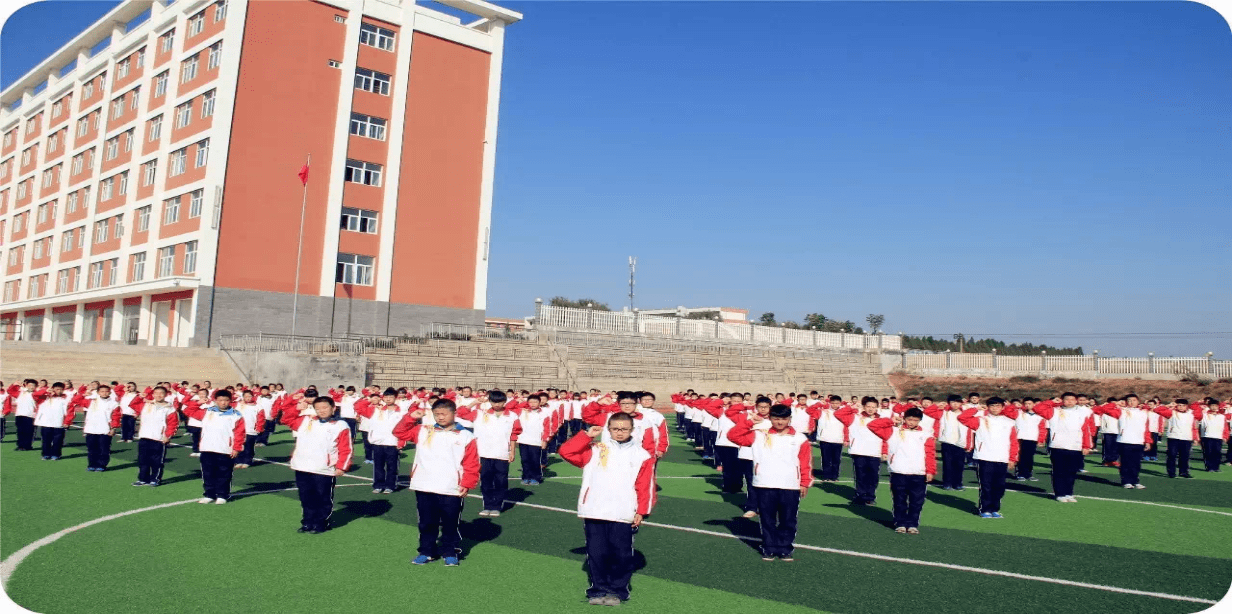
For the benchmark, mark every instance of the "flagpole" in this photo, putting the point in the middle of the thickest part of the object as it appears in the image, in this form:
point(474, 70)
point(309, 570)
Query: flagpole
point(299, 249)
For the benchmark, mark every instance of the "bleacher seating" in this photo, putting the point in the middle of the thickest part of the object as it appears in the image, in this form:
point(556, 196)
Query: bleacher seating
point(481, 363)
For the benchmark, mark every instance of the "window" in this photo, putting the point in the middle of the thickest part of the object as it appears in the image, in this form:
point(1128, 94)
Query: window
point(184, 114)
point(195, 200)
point(113, 148)
point(207, 104)
point(101, 230)
point(42, 213)
point(8, 292)
point(4, 170)
point(373, 36)
point(21, 190)
point(66, 241)
point(13, 255)
point(112, 270)
point(77, 163)
point(123, 188)
point(94, 119)
point(19, 223)
point(57, 108)
point(30, 125)
point(333, 63)
point(128, 140)
point(62, 281)
point(117, 107)
point(203, 151)
point(85, 196)
point(196, 23)
point(141, 57)
point(83, 125)
point(190, 257)
point(96, 274)
point(167, 40)
point(359, 220)
point(354, 269)
point(216, 56)
point(339, 18)
point(160, 84)
point(53, 143)
point(8, 138)
point(33, 290)
point(143, 218)
point(372, 81)
point(220, 11)
point(188, 69)
point(72, 203)
point(154, 128)
point(139, 267)
point(177, 162)
point(365, 173)
point(38, 249)
point(134, 96)
point(171, 210)
point(25, 156)
point(122, 68)
point(105, 188)
point(368, 126)
point(87, 90)
point(89, 155)
point(148, 170)
point(47, 176)
point(166, 261)
point(76, 278)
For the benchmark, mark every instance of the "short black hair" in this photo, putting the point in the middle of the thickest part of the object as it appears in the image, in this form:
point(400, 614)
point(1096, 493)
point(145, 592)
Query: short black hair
point(448, 404)
point(762, 400)
point(620, 416)
point(1184, 402)
point(868, 400)
point(222, 393)
point(780, 411)
point(324, 399)
point(1068, 394)
point(57, 384)
point(950, 398)
point(995, 400)
point(646, 394)
point(913, 413)
point(390, 391)
point(496, 397)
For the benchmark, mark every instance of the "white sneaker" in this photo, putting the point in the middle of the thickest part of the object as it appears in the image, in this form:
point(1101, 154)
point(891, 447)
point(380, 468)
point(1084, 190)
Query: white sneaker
point(1061, 498)
point(205, 500)
point(1128, 486)
point(1138, 486)
point(220, 501)
point(1071, 499)
point(194, 454)
point(483, 513)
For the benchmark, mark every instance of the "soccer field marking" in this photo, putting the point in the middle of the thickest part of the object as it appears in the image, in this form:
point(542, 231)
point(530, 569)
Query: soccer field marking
point(904, 560)
point(11, 562)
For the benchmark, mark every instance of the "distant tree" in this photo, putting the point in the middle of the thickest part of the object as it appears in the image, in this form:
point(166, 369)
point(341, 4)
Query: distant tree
point(559, 301)
point(875, 322)
point(788, 324)
point(815, 320)
point(702, 315)
point(767, 319)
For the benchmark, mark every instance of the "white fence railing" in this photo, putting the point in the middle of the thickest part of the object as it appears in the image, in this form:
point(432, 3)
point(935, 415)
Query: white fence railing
point(633, 323)
point(1077, 364)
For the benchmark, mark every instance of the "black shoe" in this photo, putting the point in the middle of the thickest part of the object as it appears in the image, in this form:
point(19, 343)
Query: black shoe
point(1187, 476)
point(139, 484)
point(303, 528)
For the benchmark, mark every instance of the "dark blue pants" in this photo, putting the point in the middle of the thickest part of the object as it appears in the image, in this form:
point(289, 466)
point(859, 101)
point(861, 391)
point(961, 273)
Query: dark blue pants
point(610, 557)
point(351, 424)
point(1066, 464)
point(25, 432)
point(832, 454)
point(1178, 457)
point(248, 452)
point(53, 441)
point(992, 477)
point(216, 470)
point(264, 436)
point(531, 455)
point(98, 450)
point(195, 434)
point(494, 482)
point(1132, 459)
point(708, 442)
point(746, 466)
point(128, 426)
point(439, 515)
point(952, 465)
point(727, 459)
point(367, 447)
point(691, 431)
point(1211, 453)
point(1152, 452)
point(908, 495)
point(1108, 447)
point(385, 467)
point(316, 498)
point(680, 421)
point(865, 475)
point(151, 454)
point(1027, 459)
point(777, 509)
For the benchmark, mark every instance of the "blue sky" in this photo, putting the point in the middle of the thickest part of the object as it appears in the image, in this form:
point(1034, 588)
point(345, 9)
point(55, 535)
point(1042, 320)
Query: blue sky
point(994, 167)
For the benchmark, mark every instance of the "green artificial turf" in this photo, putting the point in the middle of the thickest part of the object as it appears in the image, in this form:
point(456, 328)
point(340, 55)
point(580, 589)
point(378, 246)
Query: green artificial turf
point(247, 557)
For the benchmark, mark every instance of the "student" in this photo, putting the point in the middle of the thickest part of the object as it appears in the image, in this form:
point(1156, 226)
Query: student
point(744, 456)
point(711, 409)
point(646, 430)
point(346, 409)
point(266, 402)
point(1213, 432)
point(496, 429)
point(102, 418)
point(22, 402)
point(865, 449)
point(783, 471)
point(198, 396)
point(53, 416)
point(382, 415)
point(727, 451)
point(128, 416)
point(1108, 433)
point(1071, 430)
point(657, 424)
point(1155, 424)
point(1181, 431)
point(254, 425)
point(956, 438)
point(910, 455)
point(831, 433)
point(157, 422)
point(536, 423)
point(1032, 431)
point(221, 440)
point(616, 495)
point(996, 449)
point(322, 453)
point(446, 466)
point(1134, 436)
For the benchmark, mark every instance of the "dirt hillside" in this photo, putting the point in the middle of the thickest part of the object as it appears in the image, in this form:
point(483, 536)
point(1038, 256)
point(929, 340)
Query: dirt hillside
point(908, 385)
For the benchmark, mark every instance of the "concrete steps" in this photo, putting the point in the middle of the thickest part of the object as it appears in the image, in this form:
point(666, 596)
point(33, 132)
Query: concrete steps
point(106, 362)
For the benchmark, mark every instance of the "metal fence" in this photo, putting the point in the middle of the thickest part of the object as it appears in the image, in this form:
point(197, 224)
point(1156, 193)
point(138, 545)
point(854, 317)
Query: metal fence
point(1079, 364)
point(549, 317)
point(286, 343)
point(451, 331)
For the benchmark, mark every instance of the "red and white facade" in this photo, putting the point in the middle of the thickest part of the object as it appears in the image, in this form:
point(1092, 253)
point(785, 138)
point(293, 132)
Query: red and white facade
point(149, 190)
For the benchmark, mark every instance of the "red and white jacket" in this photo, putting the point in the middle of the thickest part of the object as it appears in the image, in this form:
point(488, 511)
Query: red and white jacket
point(1132, 423)
point(861, 441)
point(1180, 424)
point(22, 402)
point(1071, 429)
point(254, 418)
point(494, 430)
point(996, 438)
point(54, 411)
point(782, 459)
point(909, 451)
point(952, 431)
point(102, 415)
point(157, 421)
point(618, 478)
point(446, 459)
point(828, 428)
point(646, 432)
point(380, 421)
point(536, 426)
point(321, 447)
point(1031, 426)
point(1214, 425)
point(222, 431)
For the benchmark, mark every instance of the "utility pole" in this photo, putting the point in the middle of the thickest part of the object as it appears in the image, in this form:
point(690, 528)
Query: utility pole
point(633, 264)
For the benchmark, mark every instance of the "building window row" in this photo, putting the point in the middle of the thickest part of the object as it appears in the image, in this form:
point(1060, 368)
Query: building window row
point(372, 81)
point(354, 269)
point(359, 220)
point(375, 36)
point(368, 126)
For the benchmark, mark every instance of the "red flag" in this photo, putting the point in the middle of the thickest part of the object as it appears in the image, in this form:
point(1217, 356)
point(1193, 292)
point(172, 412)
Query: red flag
point(304, 174)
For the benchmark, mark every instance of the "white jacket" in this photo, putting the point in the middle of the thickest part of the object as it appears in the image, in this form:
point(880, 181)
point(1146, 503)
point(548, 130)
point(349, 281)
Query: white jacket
point(157, 422)
point(446, 460)
point(618, 478)
point(782, 460)
point(321, 447)
point(100, 414)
